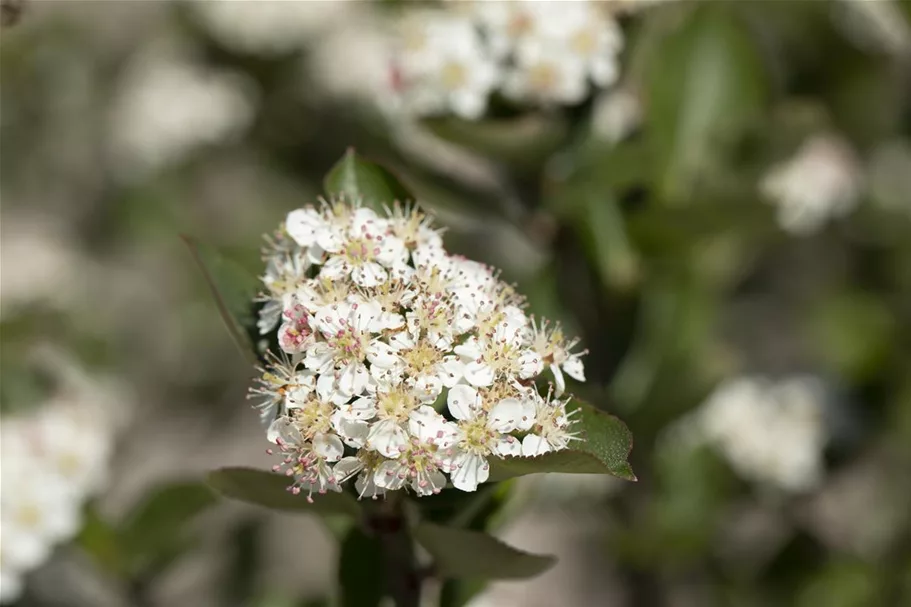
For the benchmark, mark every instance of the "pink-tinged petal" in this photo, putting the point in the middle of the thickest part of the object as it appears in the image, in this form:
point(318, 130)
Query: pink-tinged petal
point(462, 402)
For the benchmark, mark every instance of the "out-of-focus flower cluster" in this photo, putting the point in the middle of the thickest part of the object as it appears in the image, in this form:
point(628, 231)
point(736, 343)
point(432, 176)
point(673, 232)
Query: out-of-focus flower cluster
point(381, 331)
point(535, 53)
point(54, 457)
point(823, 180)
point(167, 108)
point(772, 433)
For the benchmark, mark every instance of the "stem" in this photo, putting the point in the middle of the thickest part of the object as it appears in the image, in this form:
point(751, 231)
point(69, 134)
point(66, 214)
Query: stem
point(403, 578)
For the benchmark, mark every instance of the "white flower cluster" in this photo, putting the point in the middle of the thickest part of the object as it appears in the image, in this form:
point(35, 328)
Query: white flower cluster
point(167, 108)
point(381, 330)
point(451, 60)
point(821, 181)
point(772, 433)
point(53, 459)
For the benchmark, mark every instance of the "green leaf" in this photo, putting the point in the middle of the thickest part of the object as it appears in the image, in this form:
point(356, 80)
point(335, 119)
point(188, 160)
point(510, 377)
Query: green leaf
point(270, 490)
point(101, 542)
point(526, 141)
point(357, 179)
point(460, 553)
point(360, 570)
point(706, 83)
point(160, 518)
point(233, 288)
point(603, 449)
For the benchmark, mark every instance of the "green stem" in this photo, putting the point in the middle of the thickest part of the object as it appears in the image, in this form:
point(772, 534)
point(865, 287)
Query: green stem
point(403, 578)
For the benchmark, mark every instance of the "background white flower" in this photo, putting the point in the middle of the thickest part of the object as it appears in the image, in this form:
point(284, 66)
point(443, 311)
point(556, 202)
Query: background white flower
point(823, 180)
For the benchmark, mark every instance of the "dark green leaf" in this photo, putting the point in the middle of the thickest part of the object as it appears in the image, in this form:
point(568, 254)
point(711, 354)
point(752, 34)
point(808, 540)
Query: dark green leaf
point(233, 289)
point(604, 448)
point(270, 490)
point(706, 83)
point(357, 179)
point(460, 553)
point(361, 570)
point(153, 532)
point(456, 593)
point(102, 543)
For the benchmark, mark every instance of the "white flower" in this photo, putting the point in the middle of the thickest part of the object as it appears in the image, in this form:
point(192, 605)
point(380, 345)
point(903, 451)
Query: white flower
point(551, 429)
point(419, 464)
point(444, 66)
point(54, 456)
point(770, 432)
point(167, 108)
point(482, 433)
point(556, 352)
point(367, 350)
point(546, 73)
point(589, 36)
point(821, 181)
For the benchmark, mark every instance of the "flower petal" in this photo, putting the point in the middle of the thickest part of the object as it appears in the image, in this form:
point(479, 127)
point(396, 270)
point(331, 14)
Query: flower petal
point(470, 470)
point(462, 402)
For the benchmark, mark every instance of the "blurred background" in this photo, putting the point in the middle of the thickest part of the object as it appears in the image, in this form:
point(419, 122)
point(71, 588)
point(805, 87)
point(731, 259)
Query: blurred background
point(724, 220)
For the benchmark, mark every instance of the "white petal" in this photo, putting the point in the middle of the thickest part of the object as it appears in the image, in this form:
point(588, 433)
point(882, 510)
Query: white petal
point(506, 415)
point(508, 446)
point(559, 382)
point(574, 368)
point(352, 432)
point(427, 388)
point(428, 426)
point(283, 429)
point(471, 470)
point(335, 268)
point(346, 468)
point(462, 402)
point(435, 482)
point(533, 445)
point(390, 475)
point(388, 438)
point(302, 225)
point(362, 408)
point(381, 354)
point(470, 350)
point(530, 364)
point(328, 446)
point(319, 357)
point(479, 374)
point(369, 274)
point(450, 371)
point(352, 379)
